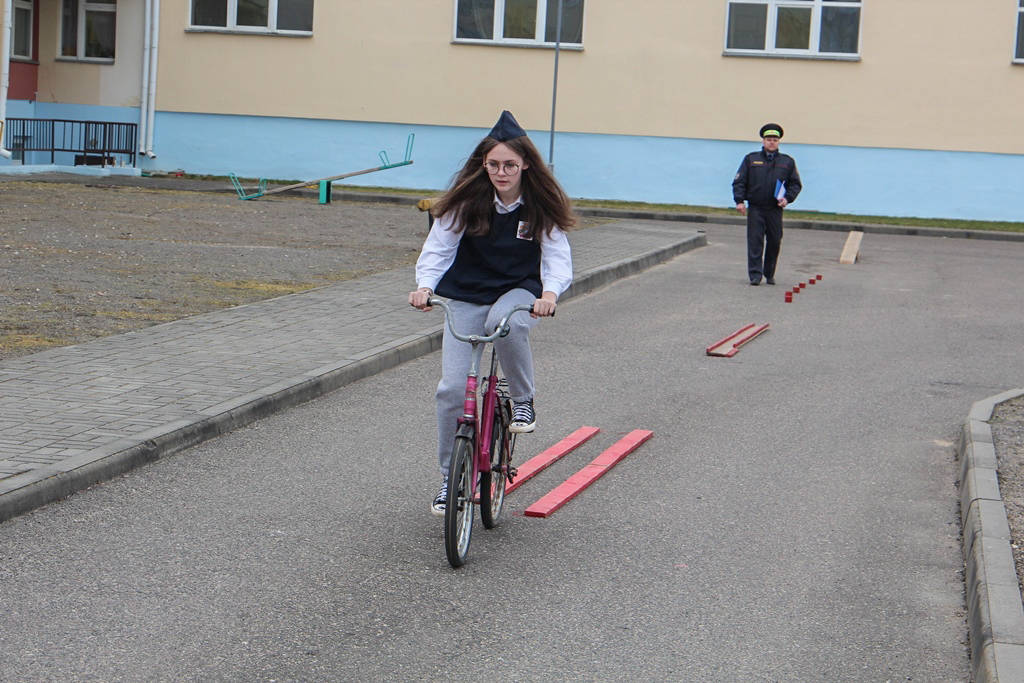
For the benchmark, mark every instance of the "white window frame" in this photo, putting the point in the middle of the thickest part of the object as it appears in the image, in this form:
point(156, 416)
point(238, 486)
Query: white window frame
point(498, 31)
point(771, 26)
point(1019, 44)
point(30, 6)
point(234, 27)
point(85, 6)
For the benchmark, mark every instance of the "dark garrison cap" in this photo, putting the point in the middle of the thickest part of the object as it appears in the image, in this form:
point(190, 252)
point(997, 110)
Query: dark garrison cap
point(506, 128)
point(771, 129)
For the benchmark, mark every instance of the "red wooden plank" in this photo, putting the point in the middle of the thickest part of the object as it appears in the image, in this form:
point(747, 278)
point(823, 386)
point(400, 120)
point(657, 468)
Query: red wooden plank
point(532, 467)
point(731, 344)
point(569, 489)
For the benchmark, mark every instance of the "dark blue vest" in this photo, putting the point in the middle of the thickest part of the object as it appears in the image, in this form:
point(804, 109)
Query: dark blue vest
point(487, 267)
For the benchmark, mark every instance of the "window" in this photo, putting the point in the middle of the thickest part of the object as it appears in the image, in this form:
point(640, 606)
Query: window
point(1019, 55)
point(254, 16)
point(794, 27)
point(518, 22)
point(88, 29)
point(22, 32)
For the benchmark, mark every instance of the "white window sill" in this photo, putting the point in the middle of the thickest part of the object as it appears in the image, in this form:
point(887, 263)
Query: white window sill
point(87, 60)
point(498, 43)
point(249, 31)
point(791, 55)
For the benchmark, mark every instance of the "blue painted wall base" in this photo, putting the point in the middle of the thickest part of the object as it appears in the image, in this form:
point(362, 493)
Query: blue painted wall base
point(852, 180)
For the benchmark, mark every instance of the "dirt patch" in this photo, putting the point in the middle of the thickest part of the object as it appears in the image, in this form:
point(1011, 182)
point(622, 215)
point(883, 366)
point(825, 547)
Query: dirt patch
point(81, 261)
point(85, 258)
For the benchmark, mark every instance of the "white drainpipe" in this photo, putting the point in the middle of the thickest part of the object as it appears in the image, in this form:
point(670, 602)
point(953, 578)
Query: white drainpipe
point(153, 59)
point(144, 97)
point(5, 70)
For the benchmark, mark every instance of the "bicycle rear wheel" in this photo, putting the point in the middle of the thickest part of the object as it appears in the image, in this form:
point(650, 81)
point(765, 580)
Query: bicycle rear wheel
point(458, 511)
point(493, 482)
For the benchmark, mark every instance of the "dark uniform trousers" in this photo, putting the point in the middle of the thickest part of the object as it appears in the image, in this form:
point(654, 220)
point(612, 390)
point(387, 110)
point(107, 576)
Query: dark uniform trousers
point(764, 235)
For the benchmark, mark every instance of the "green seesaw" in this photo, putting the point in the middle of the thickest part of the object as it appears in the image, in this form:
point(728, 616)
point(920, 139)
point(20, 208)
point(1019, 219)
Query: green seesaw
point(324, 183)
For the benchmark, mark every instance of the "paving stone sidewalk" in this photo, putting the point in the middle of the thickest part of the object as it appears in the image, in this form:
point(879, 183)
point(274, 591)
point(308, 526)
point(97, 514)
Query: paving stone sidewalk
point(75, 416)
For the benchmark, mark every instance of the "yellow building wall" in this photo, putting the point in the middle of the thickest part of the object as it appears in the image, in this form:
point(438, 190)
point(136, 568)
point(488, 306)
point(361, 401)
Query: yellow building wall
point(70, 82)
point(932, 74)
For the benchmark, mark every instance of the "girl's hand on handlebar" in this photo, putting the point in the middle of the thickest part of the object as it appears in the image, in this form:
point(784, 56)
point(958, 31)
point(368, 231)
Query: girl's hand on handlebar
point(420, 299)
point(543, 308)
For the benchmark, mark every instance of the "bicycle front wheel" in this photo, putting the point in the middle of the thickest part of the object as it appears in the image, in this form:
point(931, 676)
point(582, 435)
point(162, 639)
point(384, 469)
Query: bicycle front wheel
point(492, 483)
point(458, 511)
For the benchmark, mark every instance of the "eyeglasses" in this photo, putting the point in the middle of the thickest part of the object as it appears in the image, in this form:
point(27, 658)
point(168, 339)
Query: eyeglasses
point(509, 167)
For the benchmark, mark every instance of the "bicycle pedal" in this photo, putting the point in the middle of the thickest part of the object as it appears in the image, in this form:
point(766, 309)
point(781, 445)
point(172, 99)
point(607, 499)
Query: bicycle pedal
point(512, 473)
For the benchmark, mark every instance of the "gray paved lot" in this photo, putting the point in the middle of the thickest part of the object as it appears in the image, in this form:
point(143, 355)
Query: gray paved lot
point(117, 402)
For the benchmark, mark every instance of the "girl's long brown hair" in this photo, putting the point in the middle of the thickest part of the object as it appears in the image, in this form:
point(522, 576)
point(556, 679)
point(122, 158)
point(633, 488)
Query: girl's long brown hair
point(471, 194)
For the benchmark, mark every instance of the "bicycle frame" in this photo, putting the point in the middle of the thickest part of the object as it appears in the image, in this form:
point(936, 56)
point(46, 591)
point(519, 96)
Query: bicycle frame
point(483, 428)
point(476, 478)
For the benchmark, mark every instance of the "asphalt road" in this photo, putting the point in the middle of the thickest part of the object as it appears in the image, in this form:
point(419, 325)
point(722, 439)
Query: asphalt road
point(793, 519)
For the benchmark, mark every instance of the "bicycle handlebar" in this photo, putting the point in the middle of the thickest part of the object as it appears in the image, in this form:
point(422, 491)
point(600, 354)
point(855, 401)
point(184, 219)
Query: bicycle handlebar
point(502, 329)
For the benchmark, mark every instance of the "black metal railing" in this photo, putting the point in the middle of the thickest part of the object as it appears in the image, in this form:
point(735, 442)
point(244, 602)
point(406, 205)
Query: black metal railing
point(94, 143)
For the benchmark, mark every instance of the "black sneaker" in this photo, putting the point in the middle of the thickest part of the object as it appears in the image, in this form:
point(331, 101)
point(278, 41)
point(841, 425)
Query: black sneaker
point(524, 420)
point(437, 507)
point(770, 280)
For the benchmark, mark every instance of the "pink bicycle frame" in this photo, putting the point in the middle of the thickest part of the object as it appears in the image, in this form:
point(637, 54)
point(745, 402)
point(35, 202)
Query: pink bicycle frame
point(481, 423)
point(483, 428)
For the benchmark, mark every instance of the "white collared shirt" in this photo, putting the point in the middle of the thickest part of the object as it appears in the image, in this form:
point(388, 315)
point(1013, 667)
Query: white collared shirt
point(442, 243)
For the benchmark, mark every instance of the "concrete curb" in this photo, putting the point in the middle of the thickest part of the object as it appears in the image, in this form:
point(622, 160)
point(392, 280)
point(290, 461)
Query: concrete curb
point(24, 493)
point(994, 612)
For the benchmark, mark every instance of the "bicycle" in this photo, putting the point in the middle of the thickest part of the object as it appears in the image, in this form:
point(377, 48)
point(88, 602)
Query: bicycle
point(482, 453)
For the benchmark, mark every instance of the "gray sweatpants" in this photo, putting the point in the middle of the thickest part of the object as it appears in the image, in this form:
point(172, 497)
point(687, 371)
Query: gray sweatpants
point(514, 355)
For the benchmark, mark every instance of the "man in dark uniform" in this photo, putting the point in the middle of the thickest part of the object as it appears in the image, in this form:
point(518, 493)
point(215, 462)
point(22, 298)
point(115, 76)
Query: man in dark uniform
point(767, 181)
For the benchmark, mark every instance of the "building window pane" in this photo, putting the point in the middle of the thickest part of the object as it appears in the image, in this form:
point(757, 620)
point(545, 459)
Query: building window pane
point(100, 32)
point(786, 27)
point(840, 29)
point(88, 29)
point(253, 13)
point(295, 15)
point(22, 32)
point(475, 19)
point(249, 16)
point(1020, 33)
point(209, 12)
point(572, 21)
point(69, 29)
point(793, 28)
point(520, 19)
point(747, 26)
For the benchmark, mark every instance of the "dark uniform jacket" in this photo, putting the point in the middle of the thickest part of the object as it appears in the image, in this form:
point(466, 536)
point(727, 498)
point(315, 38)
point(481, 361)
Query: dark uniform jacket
point(755, 180)
point(487, 267)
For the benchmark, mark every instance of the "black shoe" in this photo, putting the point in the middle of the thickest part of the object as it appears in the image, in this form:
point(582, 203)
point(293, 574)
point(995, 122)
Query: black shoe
point(524, 420)
point(755, 282)
point(770, 280)
point(440, 500)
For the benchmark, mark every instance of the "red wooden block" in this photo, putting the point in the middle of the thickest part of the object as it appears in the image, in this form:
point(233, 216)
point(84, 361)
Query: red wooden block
point(731, 344)
point(538, 463)
point(572, 487)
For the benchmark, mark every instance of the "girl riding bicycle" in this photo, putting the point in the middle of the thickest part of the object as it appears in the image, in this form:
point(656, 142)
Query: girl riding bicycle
point(498, 240)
